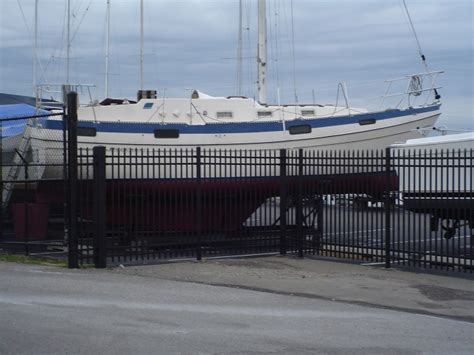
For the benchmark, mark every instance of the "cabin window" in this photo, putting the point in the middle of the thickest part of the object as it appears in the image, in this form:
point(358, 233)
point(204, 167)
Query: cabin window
point(148, 105)
point(300, 129)
point(224, 114)
point(86, 131)
point(265, 113)
point(166, 133)
point(367, 121)
point(307, 113)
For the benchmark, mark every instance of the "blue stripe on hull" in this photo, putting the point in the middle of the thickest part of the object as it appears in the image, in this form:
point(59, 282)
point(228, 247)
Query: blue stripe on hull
point(241, 127)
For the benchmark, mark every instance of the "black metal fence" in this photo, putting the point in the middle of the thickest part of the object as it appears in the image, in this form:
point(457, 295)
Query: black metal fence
point(433, 218)
point(398, 206)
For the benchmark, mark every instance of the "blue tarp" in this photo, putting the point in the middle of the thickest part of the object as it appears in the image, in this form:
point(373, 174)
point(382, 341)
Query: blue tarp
point(15, 127)
point(10, 99)
point(20, 110)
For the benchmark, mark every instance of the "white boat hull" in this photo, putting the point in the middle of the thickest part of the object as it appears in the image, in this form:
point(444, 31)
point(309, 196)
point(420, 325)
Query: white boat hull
point(379, 135)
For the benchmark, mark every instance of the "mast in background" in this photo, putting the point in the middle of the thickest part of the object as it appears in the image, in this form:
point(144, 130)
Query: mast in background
point(107, 47)
point(262, 52)
point(68, 38)
point(141, 44)
point(35, 49)
point(239, 53)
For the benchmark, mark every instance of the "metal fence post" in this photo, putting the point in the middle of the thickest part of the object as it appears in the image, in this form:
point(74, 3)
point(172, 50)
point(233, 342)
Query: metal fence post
point(100, 246)
point(65, 173)
point(199, 204)
point(72, 178)
point(26, 203)
point(27, 207)
point(283, 201)
point(299, 205)
point(387, 206)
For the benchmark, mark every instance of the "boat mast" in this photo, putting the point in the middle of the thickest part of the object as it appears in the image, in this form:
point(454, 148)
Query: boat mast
point(262, 52)
point(68, 45)
point(107, 47)
point(141, 44)
point(239, 53)
point(35, 50)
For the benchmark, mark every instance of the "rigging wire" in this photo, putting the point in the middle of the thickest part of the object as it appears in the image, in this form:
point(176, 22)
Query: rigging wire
point(36, 57)
point(420, 51)
point(59, 47)
point(412, 28)
point(293, 52)
point(80, 21)
point(77, 8)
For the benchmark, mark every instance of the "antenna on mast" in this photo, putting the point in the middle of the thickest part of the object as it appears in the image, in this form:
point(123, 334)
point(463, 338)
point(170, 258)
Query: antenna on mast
point(262, 52)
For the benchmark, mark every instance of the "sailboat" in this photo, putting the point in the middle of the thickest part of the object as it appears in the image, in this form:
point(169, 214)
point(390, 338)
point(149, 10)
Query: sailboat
point(226, 122)
point(238, 122)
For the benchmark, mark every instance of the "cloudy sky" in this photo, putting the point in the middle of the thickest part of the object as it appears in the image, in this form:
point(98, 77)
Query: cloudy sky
point(193, 44)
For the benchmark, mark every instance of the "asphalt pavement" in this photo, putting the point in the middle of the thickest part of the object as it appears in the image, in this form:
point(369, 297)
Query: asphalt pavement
point(214, 307)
